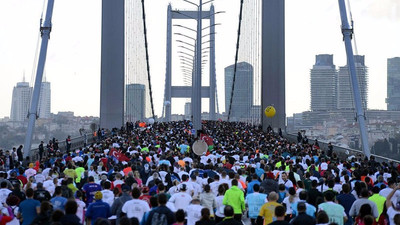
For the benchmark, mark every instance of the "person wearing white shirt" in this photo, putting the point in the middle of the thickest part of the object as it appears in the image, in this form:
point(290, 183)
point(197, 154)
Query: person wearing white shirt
point(182, 199)
point(182, 172)
point(49, 185)
point(386, 191)
point(39, 177)
point(4, 192)
point(284, 180)
point(215, 184)
point(135, 207)
point(108, 195)
point(188, 186)
point(194, 212)
point(391, 211)
point(197, 189)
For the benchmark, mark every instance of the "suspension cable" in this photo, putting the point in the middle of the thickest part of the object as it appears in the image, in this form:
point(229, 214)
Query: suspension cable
point(147, 59)
point(236, 59)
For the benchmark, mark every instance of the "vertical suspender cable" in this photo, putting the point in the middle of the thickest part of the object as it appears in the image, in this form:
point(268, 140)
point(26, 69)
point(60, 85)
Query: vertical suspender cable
point(147, 59)
point(236, 59)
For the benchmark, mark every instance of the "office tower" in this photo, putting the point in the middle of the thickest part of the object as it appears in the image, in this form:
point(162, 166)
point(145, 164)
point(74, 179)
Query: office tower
point(345, 91)
point(243, 93)
point(45, 101)
point(393, 84)
point(323, 79)
point(188, 111)
point(21, 99)
point(135, 102)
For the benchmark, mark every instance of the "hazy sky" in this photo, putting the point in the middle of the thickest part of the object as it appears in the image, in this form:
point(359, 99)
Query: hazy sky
point(73, 63)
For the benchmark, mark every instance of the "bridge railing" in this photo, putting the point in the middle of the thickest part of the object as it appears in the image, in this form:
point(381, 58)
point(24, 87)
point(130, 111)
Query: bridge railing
point(76, 142)
point(343, 152)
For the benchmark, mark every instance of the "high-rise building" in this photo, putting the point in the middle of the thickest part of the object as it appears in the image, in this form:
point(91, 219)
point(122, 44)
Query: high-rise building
point(345, 91)
point(135, 102)
point(243, 93)
point(21, 99)
point(393, 84)
point(323, 79)
point(188, 111)
point(45, 101)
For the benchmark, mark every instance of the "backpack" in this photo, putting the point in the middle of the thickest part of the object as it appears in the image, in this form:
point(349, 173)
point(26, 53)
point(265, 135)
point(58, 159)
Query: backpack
point(159, 219)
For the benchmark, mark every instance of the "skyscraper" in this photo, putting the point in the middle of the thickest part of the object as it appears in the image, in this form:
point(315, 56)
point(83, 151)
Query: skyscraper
point(323, 79)
point(345, 91)
point(393, 84)
point(243, 93)
point(135, 102)
point(21, 99)
point(45, 101)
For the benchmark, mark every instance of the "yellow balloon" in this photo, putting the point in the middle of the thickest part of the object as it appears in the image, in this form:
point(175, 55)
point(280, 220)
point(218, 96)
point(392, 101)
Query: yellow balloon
point(270, 111)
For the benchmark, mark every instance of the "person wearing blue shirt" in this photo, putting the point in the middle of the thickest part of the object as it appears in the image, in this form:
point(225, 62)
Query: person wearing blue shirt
point(252, 183)
point(310, 209)
point(90, 189)
point(29, 208)
point(97, 209)
point(183, 148)
point(254, 202)
point(58, 201)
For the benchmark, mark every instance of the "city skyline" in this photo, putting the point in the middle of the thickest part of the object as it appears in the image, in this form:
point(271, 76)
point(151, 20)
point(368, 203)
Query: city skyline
point(73, 64)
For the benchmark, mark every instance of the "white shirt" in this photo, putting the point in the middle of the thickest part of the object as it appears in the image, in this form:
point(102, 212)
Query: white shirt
point(214, 187)
point(4, 192)
point(193, 213)
point(220, 206)
point(135, 208)
point(49, 186)
point(108, 197)
point(79, 211)
point(386, 191)
point(289, 204)
point(391, 213)
point(39, 178)
point(181, 200)
point(288, 183)
point(196, 188)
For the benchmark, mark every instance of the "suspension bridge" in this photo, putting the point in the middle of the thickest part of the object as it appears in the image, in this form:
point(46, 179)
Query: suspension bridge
point(255, 80)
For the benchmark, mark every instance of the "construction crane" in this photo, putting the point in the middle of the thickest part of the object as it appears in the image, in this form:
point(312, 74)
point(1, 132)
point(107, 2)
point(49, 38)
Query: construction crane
point(347, 31)
point(45, 30)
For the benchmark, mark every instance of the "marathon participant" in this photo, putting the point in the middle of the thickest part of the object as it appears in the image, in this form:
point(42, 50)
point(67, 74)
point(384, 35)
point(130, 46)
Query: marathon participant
point(154, 158)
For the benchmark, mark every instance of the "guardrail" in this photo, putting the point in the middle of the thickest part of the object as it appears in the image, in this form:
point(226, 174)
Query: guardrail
point(344, 152)
point(76, 142)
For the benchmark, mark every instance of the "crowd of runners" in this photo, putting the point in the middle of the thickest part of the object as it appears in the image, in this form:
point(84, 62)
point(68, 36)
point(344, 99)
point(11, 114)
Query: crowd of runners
point(148, 174)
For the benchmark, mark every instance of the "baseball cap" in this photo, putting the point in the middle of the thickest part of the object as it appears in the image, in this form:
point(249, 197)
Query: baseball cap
point(98, 195)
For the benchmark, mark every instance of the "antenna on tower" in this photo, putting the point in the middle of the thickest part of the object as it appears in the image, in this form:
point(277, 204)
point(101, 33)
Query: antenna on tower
point(23, 77)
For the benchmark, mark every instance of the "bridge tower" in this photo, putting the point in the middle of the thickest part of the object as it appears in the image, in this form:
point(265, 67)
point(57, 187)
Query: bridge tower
point(273, 62)
point(187, 91)
point(112, 64)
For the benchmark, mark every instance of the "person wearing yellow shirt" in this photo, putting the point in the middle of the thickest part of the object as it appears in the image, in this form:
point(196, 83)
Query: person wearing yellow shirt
point(70, 172)
point(267, 211)
point(378, 199)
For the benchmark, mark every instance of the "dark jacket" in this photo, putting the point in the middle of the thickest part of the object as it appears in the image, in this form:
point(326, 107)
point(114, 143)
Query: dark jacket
point(269, 185)
point(161, 210)
point(230, 221)
point(70, 219)
point(303, 219)
point(205, 222)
